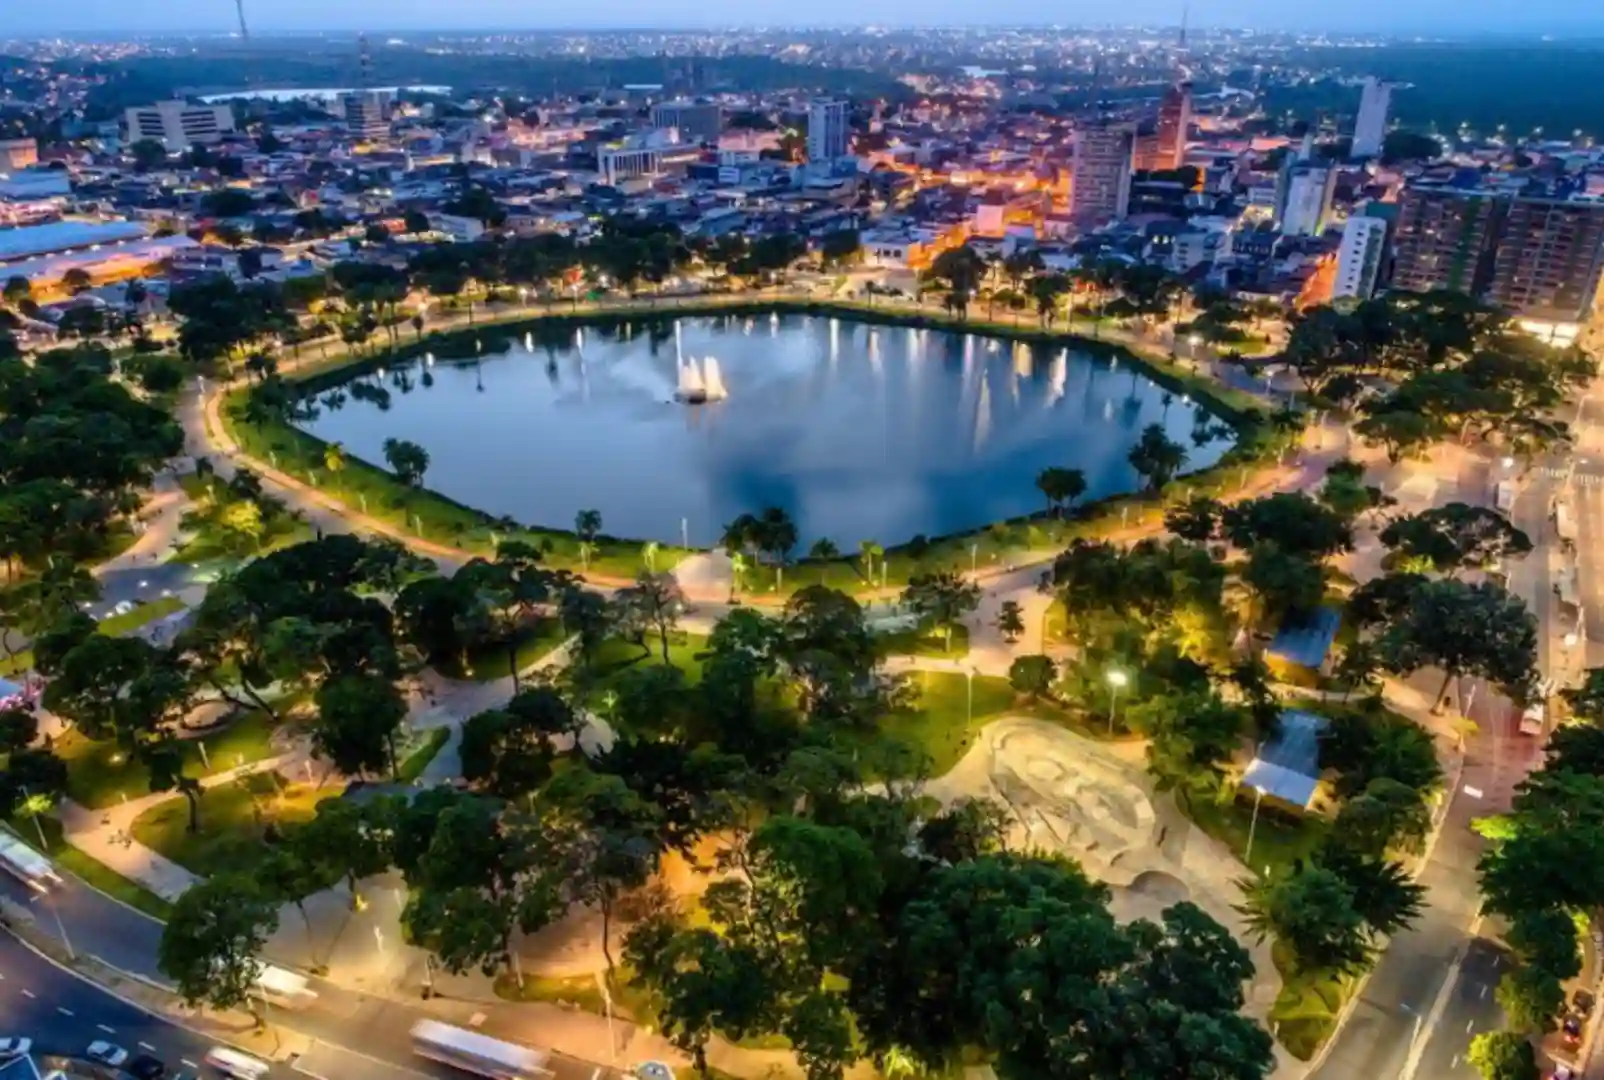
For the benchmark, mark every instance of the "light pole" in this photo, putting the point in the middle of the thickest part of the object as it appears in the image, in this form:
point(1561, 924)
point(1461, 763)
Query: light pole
point(1117, 681)
point(1253, 825)
point(969, 697)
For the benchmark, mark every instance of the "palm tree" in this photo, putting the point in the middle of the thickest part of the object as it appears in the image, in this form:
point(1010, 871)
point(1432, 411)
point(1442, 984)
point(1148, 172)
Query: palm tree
point(867, 550)
point(777, 536)
point(334, 457)
point(823, 551)
point(587, 526)
point(1010, 620)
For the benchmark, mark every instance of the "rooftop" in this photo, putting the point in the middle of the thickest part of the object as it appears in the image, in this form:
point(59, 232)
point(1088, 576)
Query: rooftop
point(56, 236)
point(1287, 767)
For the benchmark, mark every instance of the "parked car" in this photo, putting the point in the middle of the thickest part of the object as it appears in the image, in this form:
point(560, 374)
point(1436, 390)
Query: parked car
point(15, 1046)
point(106, 1053)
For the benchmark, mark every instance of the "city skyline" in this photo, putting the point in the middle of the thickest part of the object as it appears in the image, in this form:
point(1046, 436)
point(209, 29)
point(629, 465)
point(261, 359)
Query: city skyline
point(1435, 17)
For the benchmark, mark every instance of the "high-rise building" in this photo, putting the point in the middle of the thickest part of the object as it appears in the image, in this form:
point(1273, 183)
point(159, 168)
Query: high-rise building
point(1370, 129)
point(1100, 183)
point(1174, 120)
point(1547, 264)
point(1309, 191)
point(1359, 259)
point(1538, 256)
point(1445, 239)
point(366, 115)
point(829, 133)
point(178, 125)
point(697, 121)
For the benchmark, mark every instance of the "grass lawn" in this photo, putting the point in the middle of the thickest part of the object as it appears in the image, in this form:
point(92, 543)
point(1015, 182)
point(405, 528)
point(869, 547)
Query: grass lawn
point(1279, 839)
point(536, 640)
point(100, 774)
point(234, 822)
point(943, 726)
point(925, 642)
point(111, 626)
point(582, 992)
point(1305, 1012)
point(411, 767)
point(617, 656)
point(93, 873)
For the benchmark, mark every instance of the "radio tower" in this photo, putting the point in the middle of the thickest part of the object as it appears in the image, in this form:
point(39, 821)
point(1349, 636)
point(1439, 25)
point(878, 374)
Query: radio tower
point(364, 62)
point(244, 32)
point(1186, 10)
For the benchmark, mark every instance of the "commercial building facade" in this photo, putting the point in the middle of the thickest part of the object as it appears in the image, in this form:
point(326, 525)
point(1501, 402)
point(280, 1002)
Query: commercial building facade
point(1100, 184)
point(1174, 120)
point(697, 121)
point(178, 125)
point(1308, 204)
point(367, 116)
point(1359, 259)
point(829, 130)
point(1370, 127)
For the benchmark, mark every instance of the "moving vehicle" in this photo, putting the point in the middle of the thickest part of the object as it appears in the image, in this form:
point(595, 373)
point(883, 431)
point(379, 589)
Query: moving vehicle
point(106, 1053)
point(15, 1046)
point(23, 862)
point(146, 1067)
point(476, 1053)
point(235, 1063)
point(283, 988)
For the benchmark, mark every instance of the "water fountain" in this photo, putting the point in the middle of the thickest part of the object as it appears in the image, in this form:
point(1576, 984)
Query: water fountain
point(529, 342)
point(699, 384)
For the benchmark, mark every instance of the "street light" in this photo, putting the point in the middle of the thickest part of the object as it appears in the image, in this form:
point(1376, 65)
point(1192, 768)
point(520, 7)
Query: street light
point(1117, 681)
point(969, 686)
point(1253, 825)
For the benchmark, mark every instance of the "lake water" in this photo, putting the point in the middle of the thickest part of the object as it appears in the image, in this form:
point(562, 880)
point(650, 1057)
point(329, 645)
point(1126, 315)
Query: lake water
point(860, 431)
point(326, 93)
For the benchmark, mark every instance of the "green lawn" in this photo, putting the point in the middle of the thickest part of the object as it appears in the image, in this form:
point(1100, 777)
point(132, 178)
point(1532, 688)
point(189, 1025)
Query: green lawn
point(943, 726)
point(617, 656)
point(100, 773)
point(925, 642)
point(1305, 1011)
point(1280, 838)
point(92, 872)
point(111, 626)
point(234, 822)
point(412, 765)
point(534, 642)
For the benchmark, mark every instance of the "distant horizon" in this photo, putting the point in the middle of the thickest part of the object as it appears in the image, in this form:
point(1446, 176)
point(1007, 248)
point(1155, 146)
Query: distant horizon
point(1449, 19)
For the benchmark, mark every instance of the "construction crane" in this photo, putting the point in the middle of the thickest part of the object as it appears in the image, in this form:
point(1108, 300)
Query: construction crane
point(244, 32)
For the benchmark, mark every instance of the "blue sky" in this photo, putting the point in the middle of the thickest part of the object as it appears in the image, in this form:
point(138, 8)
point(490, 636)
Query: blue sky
point(1426, 16)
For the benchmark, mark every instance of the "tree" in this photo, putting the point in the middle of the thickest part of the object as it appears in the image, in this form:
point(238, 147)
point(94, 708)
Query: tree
point(961, 269)
point(1292, 521)
point(1480, 630)
point(1197, 520)
point(1281, 583)
point(358, 717)
point(841, 247)
point(941, 598)
point(407, 460)
point(509, 751)
point(1010, 620)
point(658, 600)
point(1365, 748)
point(212, 939)
point(345, 841)
point(17, 289)
point(587, 526)
point(1503, 1055)
point(1456, 537)
point(1385, 815)
point(1033, 675)
point(1311, 911)
point(1061, 486)
point(1157, 458)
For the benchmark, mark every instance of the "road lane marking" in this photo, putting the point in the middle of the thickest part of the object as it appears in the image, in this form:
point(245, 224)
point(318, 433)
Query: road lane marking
point(1454, 1064)
point(147, 1046)
point(597, 1074)
point(1470, 1025)
point(1484, 991)
point(28, 993)
point(186, 1061)
point(1473, 792)
point(107, 1030)
point(63, 1010)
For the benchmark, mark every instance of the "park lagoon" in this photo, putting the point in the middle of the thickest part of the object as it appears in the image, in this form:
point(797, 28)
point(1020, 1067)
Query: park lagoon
point(859, 430)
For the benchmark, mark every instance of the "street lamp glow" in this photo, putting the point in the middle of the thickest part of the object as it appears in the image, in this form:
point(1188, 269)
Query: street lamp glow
point(1118, 679)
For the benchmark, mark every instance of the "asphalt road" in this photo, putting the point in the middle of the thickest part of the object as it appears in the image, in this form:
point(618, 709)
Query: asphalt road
point(1471, 1009)
point(63, 1014)
point(96, 925)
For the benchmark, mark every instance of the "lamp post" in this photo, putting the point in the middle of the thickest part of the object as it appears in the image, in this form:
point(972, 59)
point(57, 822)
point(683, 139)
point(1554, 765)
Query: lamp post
point(969, 696)
point(1117, 681)
point(1253, 825)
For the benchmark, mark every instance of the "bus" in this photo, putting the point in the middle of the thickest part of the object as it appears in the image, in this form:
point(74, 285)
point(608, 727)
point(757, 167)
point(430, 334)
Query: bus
point(234, 1063)
point(476, 1053)
point(283, 988)
point(27, 865)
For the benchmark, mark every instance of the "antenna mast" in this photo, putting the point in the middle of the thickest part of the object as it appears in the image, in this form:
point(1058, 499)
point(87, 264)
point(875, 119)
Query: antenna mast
point(244, 32)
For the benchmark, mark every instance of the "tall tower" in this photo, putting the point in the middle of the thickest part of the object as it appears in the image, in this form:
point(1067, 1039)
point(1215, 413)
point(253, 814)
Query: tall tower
point(1370, 128)
point(1186, 11)
point(244, 32)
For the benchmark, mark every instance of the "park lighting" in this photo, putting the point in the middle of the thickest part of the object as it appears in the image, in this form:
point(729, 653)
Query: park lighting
point(1117, 681)
point(1508, 463)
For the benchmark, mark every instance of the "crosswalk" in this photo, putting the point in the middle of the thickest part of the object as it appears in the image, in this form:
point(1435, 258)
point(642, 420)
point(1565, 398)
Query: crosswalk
point(1577, 476)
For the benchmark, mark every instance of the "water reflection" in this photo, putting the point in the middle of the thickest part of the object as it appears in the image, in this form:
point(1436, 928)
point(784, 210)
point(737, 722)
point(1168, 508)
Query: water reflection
point(859, 431)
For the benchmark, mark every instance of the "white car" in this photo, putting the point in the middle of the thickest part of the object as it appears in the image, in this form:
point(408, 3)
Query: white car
point(106, 1053)
point(15, 1047)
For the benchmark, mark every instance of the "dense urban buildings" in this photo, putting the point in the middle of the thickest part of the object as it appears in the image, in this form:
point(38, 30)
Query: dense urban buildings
point(696, 121)
point(829, 134)
point(178, 125)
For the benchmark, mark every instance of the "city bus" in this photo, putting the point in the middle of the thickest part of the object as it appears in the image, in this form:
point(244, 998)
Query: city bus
point(283, 988)
point(27, 865)
point(475, 1053)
